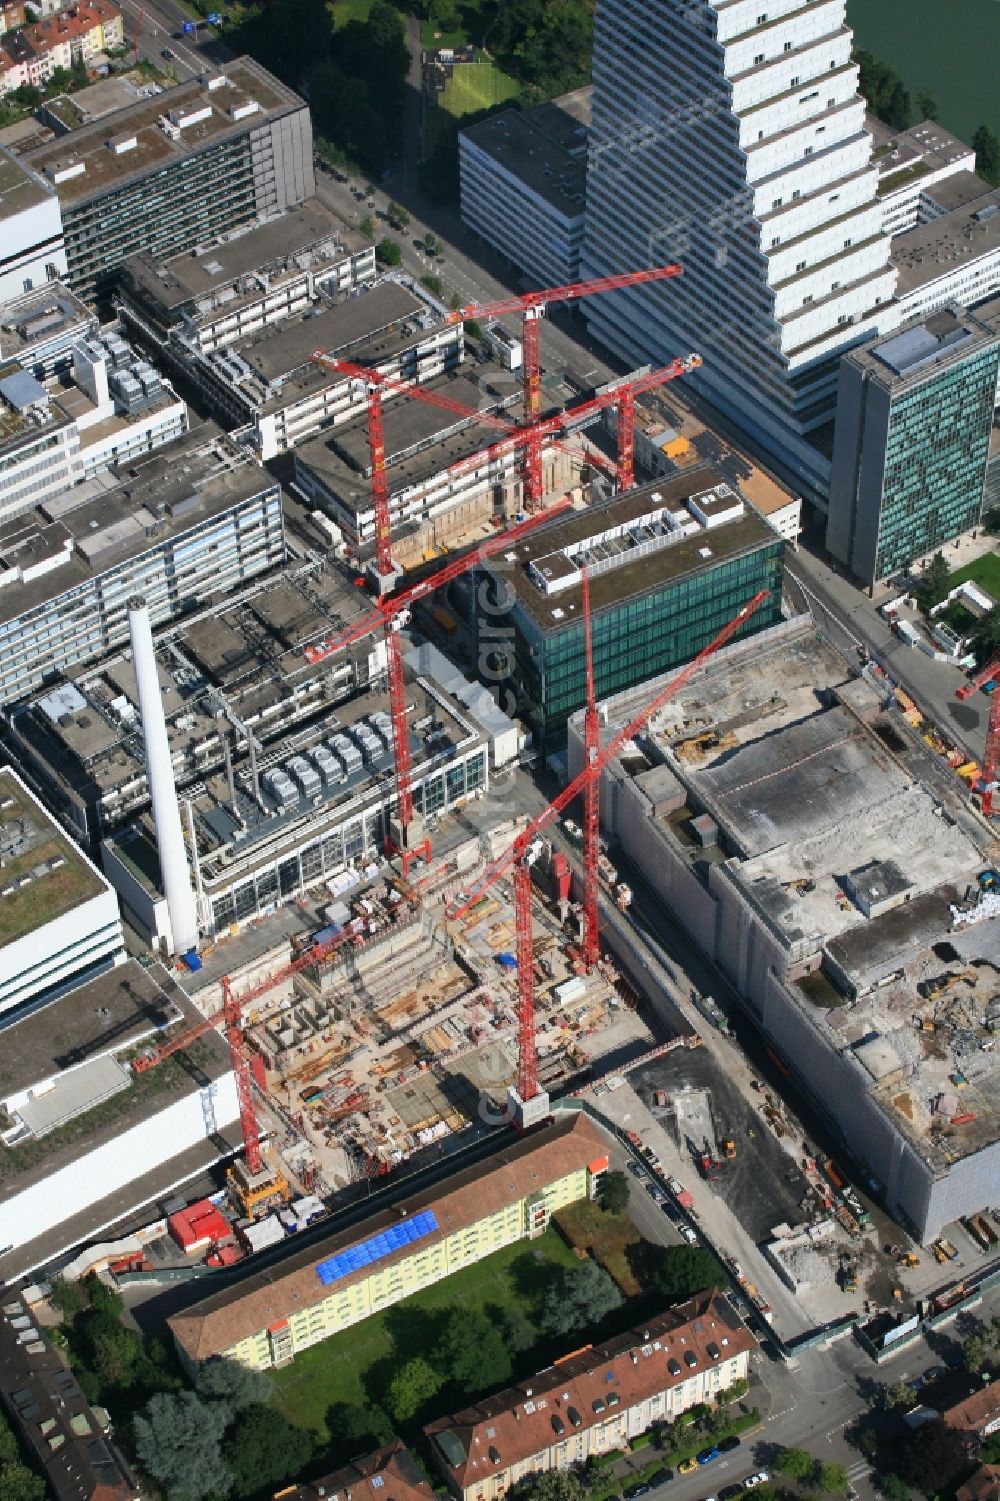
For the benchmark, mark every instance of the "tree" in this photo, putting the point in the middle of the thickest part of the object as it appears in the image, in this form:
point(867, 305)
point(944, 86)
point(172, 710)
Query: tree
point(415, 1383)
point(388, 252)
point(893, 1488)
point(934, 581)
point(897, 110)
point(613, 1197)
point(115, 1350)
point(551, 1485)
point(986, 145)
point(178, 1440)
point(578, 1297)
point(985, 636)
point(358, 1430)
point(932, 1457)
point(797, 1464)
point(686, 1270)
point(516, 1329)
point(926, 104)
point(8, 1441)
point(431, 244)
point(104, 1299)
point(263, 1449)
point(975, 1352)
point(368, 227)
point(398, 215)
point(434, 284)
point(471, 1352)
point(236, 1386)
point(733, 1393)
point(68, 1297)
point(832, 1478)
point(18, 1483)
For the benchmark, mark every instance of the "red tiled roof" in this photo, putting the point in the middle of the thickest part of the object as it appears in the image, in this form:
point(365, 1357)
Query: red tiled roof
point(390, 1474)
point(984, 1485)
point(264, 1298)
point(77, 21)
point(977, 1411)
point(510, 1427)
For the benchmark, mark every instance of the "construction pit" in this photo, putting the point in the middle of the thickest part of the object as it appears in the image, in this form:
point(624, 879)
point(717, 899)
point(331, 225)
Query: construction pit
point(407, 1035)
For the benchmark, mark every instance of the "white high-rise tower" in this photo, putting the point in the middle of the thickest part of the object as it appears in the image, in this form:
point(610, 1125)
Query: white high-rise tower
point(729, 135)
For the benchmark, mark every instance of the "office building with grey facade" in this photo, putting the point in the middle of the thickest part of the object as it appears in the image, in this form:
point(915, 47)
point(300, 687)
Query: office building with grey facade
point(169, 172)
point(186, 525)
point(912, 442)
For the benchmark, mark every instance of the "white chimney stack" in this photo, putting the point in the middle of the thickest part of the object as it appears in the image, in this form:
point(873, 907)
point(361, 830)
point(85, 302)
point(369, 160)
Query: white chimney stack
point(174, 871)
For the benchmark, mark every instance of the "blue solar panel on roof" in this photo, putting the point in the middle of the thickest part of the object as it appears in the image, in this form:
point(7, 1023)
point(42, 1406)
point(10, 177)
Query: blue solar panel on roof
point(372, 1250)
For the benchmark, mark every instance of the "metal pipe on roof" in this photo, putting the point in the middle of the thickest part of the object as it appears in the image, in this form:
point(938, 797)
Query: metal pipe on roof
point(174, 872)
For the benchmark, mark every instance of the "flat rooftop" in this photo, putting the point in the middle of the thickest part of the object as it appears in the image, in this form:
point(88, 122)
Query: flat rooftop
point(105, 97)
point(290, 238)
point(967, 230)
point(923, 348)
point(279, 351)
point(111, 1017)
point(29, 322)
point(545, 148)
point(92, 168)
point(20, 188)
point(819, 801)
point(685, 556)
point(421, 440)
point(43, 874)
point(685, 442)
point(102, 523)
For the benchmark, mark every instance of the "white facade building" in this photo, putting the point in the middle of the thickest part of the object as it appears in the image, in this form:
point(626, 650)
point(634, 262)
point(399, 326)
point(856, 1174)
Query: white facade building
point(67, 1066)
point(740, 150)
point(59, 913)
point(522, 178)
point(31, 233)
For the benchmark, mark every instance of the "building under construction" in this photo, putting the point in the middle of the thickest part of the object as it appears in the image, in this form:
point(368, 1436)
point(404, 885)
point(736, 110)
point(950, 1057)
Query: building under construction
point(781, 809)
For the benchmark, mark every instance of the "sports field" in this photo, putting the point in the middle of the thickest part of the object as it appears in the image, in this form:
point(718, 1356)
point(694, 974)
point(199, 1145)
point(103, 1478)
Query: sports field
point(476, 86)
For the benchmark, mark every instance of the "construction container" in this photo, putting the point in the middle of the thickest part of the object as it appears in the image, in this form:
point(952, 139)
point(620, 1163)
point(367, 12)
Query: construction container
point(197, 1226)
point(266, 1232)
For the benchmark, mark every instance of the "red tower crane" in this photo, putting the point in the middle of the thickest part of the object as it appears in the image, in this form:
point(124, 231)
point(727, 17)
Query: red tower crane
point(532, 306)
point(231, 1015)
point(591, 794)
point(518, 854)
point(986, 783)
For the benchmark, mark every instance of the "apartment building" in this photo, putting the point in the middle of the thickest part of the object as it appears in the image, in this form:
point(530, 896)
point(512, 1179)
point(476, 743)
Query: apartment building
point(594, 1401)
point(67, 38)
point(192, 521)
point(267, 1317)
point(170, 172)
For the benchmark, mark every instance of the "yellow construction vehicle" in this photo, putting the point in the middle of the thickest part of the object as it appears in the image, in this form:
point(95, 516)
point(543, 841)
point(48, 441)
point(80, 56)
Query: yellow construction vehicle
point(908, 1258)
point(729, 1148)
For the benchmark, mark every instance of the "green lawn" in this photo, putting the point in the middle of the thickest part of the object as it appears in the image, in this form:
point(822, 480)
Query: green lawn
point(985, 571)
point(349, 10)
point(336, 1370)
point(475, 86)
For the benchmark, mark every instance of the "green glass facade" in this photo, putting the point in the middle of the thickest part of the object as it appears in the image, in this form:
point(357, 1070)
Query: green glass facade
point(935, 461)
point(639, 638)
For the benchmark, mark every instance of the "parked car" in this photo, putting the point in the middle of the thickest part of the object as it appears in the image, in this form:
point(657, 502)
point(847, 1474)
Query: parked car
point(670, 1211)
point(689, 1235)
point(707, 1455)
point(687, 1467)
point(635, 1491)
point(660, 1477)
point(761, 1478)
point(166, 53)
point(728, 1492)
point(727, 1445)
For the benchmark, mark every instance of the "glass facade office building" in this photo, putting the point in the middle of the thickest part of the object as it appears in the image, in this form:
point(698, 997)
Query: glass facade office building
point(648, 615)
point(912, 443)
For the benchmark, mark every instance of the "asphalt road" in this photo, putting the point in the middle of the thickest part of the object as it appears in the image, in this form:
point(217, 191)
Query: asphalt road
point(850, 619)
point(160, 29)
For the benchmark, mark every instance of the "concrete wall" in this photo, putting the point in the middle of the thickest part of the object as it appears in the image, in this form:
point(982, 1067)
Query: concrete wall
point(94, 1175)
point(31, 241)
point(81, 938)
